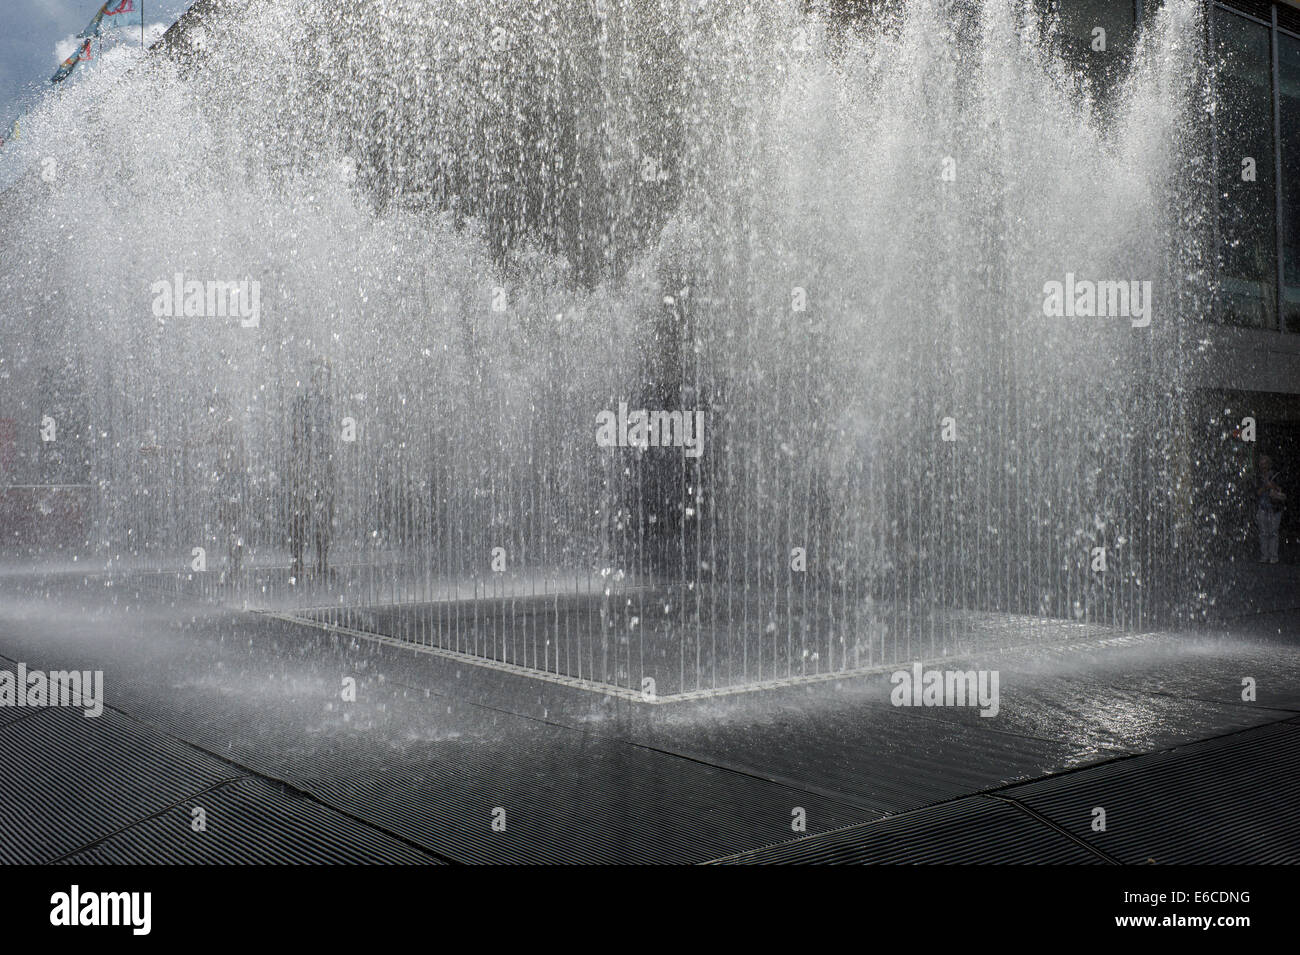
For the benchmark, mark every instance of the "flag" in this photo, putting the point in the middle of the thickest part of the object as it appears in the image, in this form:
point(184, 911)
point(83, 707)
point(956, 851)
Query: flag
point(113, 15)
point(70, 64)
point(96, 27)
point(123, 13)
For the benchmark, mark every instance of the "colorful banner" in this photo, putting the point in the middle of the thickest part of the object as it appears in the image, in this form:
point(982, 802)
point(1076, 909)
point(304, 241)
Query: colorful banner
point(96, 27)
point(70, 64)
point(113, 15)
point(123, 13)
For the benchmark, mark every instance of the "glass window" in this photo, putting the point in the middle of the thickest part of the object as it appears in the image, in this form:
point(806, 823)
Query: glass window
point(1097, 37)
point(1246, 177)
point(1288, 63)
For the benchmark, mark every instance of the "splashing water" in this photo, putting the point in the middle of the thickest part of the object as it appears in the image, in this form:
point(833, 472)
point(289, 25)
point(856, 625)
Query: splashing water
point(476, 227)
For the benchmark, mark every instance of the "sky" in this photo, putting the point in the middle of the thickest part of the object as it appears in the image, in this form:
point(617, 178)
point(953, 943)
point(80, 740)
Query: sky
point(36, 35)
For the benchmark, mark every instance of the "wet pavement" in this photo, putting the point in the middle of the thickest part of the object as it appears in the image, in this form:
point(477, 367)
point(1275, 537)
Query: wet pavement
point(244, 717)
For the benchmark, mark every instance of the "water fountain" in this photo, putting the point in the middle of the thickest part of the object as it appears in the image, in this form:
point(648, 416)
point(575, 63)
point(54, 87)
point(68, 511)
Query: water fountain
point(480, 230)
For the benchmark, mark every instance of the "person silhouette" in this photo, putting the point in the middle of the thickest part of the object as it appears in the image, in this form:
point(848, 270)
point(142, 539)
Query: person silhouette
point(230, 469)
point(1270, 503)
point(312, 474)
